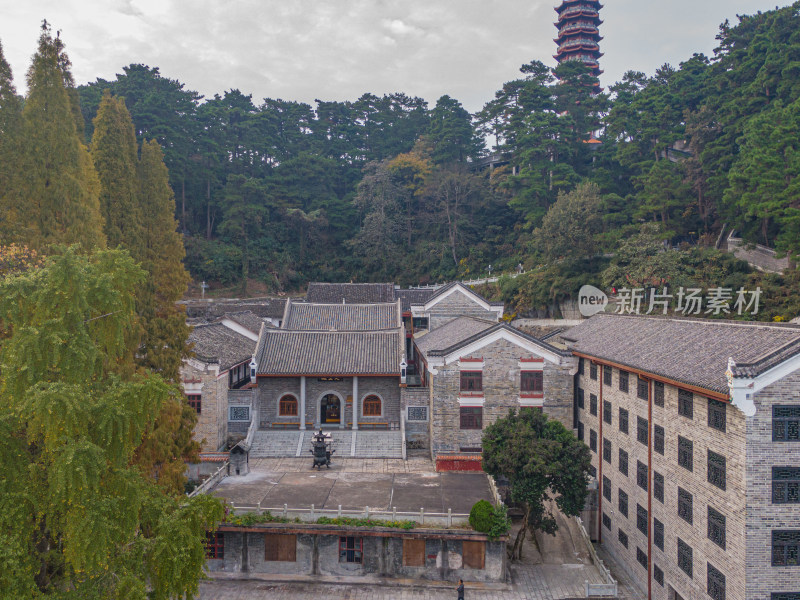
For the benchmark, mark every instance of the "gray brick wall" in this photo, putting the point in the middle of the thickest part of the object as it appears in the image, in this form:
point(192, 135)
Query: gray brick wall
point(211, 429)
point(762, 515)
point(456, 305)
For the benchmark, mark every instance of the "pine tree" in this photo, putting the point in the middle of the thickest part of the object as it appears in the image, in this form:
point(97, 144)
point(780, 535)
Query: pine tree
point(54, 190)
point(10, 117)
point(114, 155)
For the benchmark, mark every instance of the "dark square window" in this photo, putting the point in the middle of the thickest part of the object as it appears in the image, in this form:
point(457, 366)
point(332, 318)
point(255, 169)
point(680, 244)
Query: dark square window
point(581, 367)
point(531, 382)
point(472, 381)
point(623, 503)
point(606, 488)
point(658, 486)
point(593, 404)
point(716, 527)
point(641, 557)
point(641, 430)
point(196, 402)
point(580, 431)
point(623, 462)
point(658, 576)
point(623, 381)
point(351, 549)
point(785, 423)
point(658, 439)
point(580, 397)
point(685, 453)
point(716, 415)
point(623, 420)
point(593, 440)
point(593, 471)
point(593, 371)
point(641, 475)
point(716, 469)
point(785, 596)
point(606, 521)
point(622, 537)
point(471, 417)
point(658, 534)
point(786, 548)
point(658, 394)
point(716, 583)
point(607, 411)
point(215, 545)
point(606, 375)
point(606, 451)
point(685, 557)
point(641, 518)
point(641, 388)
point(786, 485)
point(685, 502)
point(685, 404)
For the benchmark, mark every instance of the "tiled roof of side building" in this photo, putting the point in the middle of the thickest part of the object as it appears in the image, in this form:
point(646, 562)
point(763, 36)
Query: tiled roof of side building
point(412, 296)
point(247, 319)
point(350, 293)
point(342, 317)
point(493, 329)
point(283, 352)
point(691, 351)
point(218, 344)
point(442, 290)
point(451, 333)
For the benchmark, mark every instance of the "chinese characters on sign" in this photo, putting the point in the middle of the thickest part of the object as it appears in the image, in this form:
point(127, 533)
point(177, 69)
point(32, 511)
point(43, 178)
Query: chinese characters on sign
point(689, 301)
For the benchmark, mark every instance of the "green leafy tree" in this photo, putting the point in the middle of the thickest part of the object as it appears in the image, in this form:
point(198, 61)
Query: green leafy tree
point(114, 155)
point(79, 520)
point(543, 462)
point(54, 189)
point(643, 261)
point(570, 227)
point(451, 133)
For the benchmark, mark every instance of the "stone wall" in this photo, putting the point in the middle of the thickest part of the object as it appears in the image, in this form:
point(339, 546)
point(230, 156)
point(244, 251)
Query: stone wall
point(211, 429)
point(456, 305)
point(317, 553)
point(271, 389)
point(501, 392)
point(762, 515)
point(237, 430)
point(417, 432)
point(730, 502)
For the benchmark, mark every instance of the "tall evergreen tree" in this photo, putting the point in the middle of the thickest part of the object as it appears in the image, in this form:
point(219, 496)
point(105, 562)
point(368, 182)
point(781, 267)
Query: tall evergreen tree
point(10, 117)
point(54, 190)
point(114, 155)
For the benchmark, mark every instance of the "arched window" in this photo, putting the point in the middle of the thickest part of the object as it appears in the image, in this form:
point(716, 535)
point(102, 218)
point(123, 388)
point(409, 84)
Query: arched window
point(287, 406)
point(372, 406)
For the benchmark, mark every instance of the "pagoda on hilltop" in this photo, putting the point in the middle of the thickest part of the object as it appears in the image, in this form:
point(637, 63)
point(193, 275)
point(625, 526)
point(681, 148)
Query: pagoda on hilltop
point(578, 34)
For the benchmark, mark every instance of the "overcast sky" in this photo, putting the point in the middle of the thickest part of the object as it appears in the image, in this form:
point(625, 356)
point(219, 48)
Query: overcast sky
point(340, 49)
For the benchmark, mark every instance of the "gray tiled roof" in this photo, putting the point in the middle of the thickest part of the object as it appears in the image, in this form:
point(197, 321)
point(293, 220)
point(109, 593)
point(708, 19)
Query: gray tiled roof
point(350, 293)
point(342, 317)
point(247, 319)
point(283, 352)
point(409, 297)
point(215, 343)
point(447, 287)
point(692, 351)
point(451, 333)
point(213, 309)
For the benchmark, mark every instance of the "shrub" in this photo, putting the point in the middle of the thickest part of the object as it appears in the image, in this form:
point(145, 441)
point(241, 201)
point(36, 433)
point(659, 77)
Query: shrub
point(480, 516)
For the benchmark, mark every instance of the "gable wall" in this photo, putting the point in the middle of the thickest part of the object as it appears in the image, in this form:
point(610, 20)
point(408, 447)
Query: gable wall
point(456, 305)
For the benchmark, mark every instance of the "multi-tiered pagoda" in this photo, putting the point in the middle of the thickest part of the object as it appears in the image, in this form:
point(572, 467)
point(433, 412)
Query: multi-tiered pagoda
point(578, 34)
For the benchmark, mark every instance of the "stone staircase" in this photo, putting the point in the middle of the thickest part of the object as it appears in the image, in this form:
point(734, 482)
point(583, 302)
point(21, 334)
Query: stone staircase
point(272, 443)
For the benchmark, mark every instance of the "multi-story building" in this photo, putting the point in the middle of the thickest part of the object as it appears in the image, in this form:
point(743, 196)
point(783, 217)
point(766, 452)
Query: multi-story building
point(694, 428)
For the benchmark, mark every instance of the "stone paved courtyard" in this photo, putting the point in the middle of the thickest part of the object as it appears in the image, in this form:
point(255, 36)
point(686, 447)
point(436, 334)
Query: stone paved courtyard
point(558, 573)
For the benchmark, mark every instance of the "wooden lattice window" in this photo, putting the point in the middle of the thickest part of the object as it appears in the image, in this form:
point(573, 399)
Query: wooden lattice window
point(372, 406)
point(641, 474)
point(785, 423)
point(658, 534)
point(606, 451)
point(716, 527)
point(641, 557)
point(606, 488)
point(716, 469)
point(641, 388)
point(685, 453)
point(413, 553)
point(658, 393)
point(686, 404)
point(531, 382)
point(785, 548)
point(215, 545)
point(471, 417)
point(287, 406)
point(717, 418)
point(593, 371)
point(471, 381)
point(606, 375)
point(351, 549)
point(641, 430)
point(716, 583)
point(280, 547)
point(641, 518)
point(658, 439)
point(607, 411)
point(685, 505)
point(622, 503)
point(623, 462)
point(685, 557)
point(623, 381)
point(623, 420)
point(658, 486)
point(622, 537)
point(195, 401)
point(593, 404)
point(786, 485)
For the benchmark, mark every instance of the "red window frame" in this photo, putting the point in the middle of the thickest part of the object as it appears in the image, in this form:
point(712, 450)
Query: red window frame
point(472, 383)
point(196, 402)
point(215, 545)
point(372, 406)
point(351, 549)
point(287, 406)
point(471, 417)
point(531, 384)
